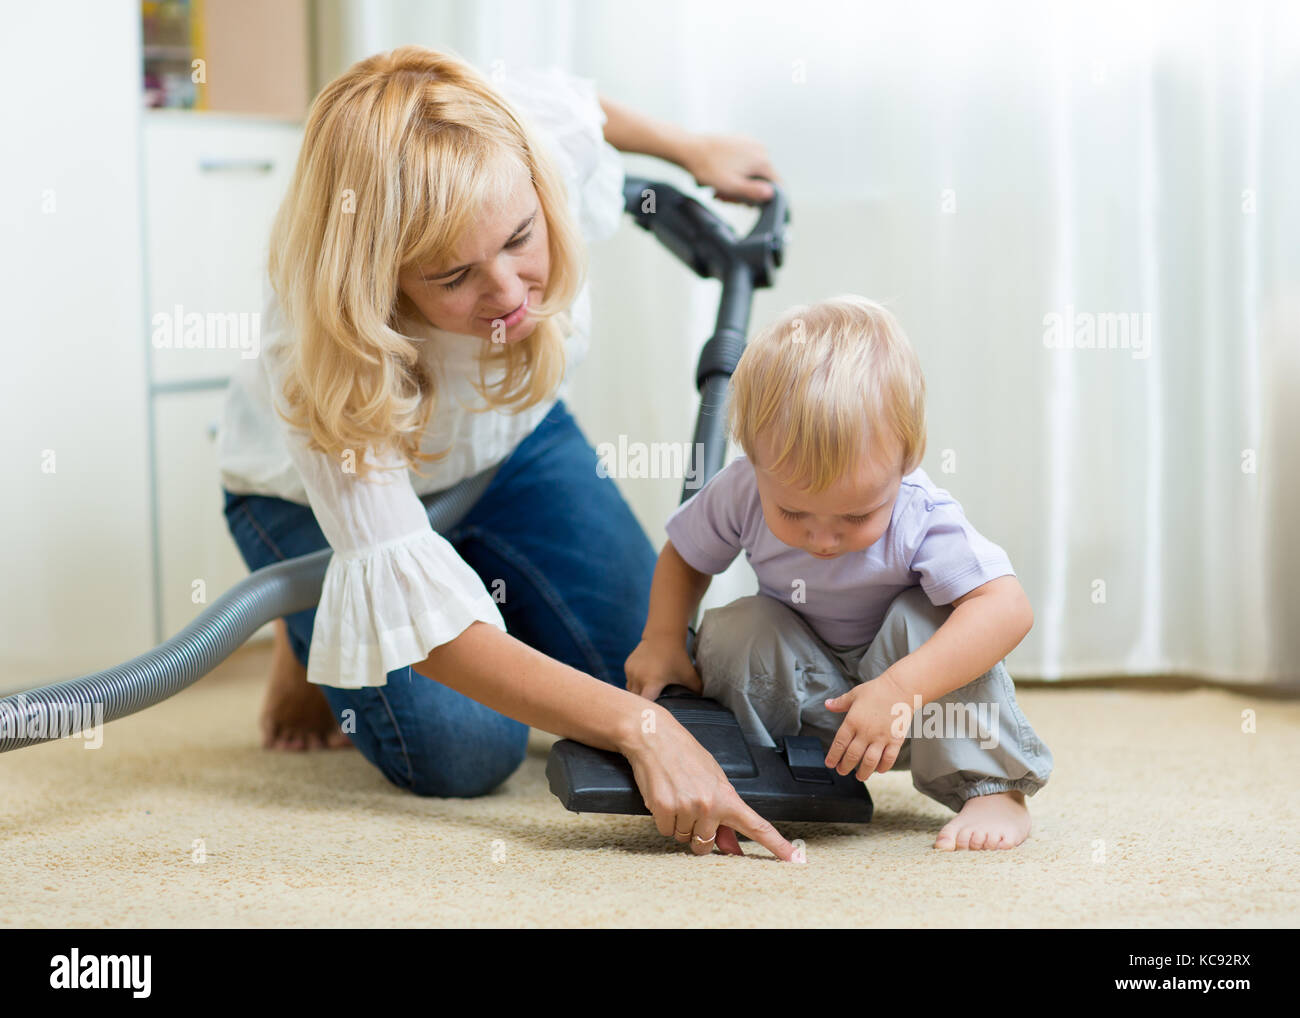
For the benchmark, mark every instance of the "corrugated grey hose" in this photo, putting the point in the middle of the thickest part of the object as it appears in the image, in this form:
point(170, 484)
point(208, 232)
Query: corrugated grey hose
point(34, 715)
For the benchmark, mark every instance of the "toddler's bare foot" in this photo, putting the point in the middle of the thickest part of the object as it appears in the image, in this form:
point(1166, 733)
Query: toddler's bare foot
point(1000, 820)
point(295, 714)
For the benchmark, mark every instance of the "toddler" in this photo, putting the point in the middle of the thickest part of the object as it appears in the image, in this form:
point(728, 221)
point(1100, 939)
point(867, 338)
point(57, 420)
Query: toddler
point(882, 616)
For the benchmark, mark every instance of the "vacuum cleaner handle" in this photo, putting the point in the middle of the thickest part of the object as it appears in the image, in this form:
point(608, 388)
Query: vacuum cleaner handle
point(701, 240)
point(713, 251)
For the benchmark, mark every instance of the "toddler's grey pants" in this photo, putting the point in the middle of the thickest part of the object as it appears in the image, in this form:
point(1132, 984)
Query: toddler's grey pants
point(760, 659)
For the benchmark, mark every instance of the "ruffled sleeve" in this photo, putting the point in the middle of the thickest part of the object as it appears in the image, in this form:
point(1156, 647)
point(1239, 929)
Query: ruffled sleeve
point(565, 110)
point(394, 588)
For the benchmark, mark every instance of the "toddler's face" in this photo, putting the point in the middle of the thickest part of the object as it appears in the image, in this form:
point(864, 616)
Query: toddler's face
point(850, 515)
point(500, 266)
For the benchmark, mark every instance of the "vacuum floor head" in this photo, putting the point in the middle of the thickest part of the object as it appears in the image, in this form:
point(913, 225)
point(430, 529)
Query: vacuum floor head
point(791, 782)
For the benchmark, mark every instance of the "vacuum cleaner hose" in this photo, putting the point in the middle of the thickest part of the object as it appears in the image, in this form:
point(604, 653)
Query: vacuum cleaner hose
point(283, 588)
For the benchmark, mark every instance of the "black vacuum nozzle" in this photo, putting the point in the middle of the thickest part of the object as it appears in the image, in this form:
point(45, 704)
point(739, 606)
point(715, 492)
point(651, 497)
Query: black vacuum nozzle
point(790, 782)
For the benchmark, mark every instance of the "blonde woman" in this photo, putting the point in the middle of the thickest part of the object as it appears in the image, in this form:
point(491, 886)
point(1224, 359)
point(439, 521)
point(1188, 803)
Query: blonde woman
point(426, 303)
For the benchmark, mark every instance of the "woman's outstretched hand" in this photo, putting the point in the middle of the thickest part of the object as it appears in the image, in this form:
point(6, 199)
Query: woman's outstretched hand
point(687, 793)
point(680, 783)
point(728, 163)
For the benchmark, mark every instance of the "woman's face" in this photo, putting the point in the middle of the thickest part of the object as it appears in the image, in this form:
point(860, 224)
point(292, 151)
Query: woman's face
point(497, 274)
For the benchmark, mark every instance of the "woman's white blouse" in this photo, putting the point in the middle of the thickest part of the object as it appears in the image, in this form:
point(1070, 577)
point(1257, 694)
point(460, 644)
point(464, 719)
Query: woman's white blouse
point(395, 589)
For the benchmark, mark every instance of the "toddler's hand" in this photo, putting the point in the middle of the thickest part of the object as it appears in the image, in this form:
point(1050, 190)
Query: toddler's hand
point(655, 664)
point(873, 732)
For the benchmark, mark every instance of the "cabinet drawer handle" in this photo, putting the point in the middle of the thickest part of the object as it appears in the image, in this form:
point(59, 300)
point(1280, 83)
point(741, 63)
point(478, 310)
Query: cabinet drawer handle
point(236, 165)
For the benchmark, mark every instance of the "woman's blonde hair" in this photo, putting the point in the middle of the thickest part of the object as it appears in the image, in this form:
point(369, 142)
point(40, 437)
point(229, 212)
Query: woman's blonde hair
point(400, 155)
point(822, 387)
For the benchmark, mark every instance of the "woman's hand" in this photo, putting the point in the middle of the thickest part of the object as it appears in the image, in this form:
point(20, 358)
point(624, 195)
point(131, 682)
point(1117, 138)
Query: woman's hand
point(656, 663)
point(681, 784)
point(723, 162)
point(689, 796)
point(727, 163)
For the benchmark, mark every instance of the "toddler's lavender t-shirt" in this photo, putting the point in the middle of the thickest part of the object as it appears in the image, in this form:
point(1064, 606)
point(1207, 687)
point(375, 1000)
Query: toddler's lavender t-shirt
point(928, 541)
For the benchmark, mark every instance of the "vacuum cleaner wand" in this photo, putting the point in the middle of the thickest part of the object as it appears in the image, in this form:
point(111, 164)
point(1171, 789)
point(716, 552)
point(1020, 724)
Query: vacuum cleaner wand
point(711, 249)
point(790, 782)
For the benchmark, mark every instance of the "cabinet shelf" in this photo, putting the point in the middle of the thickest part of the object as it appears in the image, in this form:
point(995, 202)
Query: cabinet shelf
point(236, 56)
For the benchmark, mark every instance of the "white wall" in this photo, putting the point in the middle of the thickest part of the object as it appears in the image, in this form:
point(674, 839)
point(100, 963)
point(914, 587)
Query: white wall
point(75, 595)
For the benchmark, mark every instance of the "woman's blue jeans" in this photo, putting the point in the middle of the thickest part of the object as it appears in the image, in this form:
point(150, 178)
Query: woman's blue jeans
point(576, 568)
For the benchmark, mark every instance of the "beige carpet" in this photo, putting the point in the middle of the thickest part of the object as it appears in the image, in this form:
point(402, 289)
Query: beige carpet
point(1161, 813)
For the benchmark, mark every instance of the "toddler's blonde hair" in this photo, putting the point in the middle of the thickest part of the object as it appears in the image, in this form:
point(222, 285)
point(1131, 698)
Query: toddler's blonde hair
point(400, 155)
point(822, 386)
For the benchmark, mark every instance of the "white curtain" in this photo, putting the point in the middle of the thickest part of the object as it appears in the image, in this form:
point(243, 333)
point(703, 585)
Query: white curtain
point(1084, 216)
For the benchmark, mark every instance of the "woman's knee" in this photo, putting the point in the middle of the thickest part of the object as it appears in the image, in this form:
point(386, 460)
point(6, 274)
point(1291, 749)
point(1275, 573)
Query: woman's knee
point(428, 739)
point(467, 768)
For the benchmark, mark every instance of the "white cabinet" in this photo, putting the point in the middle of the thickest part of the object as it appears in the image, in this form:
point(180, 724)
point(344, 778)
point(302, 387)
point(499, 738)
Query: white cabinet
point(74, 520)
point(198, 558)
point(110, 213)
point(212, 186)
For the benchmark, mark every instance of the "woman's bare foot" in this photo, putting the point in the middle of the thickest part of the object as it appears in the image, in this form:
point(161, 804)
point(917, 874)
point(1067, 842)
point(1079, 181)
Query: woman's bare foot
point(1000, 820)
point(295, 714)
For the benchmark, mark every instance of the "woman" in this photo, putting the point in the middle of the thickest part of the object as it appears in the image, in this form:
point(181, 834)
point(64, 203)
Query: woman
point(428, 298)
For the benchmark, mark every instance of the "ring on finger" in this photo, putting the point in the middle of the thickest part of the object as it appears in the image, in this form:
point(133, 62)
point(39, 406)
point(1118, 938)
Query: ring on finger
point(705, 841)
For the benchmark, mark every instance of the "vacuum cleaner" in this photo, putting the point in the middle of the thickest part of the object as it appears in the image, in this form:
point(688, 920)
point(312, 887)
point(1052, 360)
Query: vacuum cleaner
point(788, 783)
point(792, 781)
